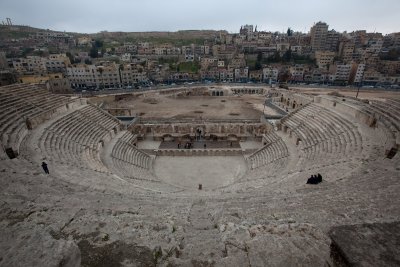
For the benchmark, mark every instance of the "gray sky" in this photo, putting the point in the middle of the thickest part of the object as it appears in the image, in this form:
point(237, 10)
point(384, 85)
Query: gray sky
point(170, 15)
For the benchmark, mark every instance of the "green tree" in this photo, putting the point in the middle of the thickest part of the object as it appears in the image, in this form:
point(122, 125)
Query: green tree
point(27, 51)
point(288, 55)
point(71, 57)
point(258, 65)
point(98, 43)
point(289, 32)
point(94, 52)
point(259, 56)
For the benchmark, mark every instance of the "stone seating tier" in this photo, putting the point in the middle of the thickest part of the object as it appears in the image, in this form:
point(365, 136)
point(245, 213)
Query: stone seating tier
point(20, 102)
point(272, 151)
point(77, 139)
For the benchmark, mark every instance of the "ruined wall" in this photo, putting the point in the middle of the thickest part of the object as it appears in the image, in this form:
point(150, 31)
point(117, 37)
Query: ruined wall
point(289, 100)
point(221, 131)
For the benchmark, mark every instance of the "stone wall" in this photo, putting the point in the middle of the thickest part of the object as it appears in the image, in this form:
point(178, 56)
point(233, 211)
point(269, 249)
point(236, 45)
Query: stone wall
point(290, 100)
point(198, 152)
point(209, 131)
point(250, 91)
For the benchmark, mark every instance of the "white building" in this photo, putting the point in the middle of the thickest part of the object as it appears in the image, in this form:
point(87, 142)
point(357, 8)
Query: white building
point(126, 57)
point(132, 74)
point(342, 72)
point(270, 74)
point(359, 73)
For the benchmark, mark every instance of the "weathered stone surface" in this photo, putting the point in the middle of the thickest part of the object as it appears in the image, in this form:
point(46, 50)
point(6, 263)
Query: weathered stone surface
point(268, 217)
point(116, 254)
point(22, 246)
point(376, 244)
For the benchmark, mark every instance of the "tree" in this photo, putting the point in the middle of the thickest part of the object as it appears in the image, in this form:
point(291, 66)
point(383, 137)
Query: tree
point(284, 76)
point(288, 55)
point(258, 65)
point(276, 57)
point(259, 56)
point(71, 57)
point(289, 32)
point(98, 43)
point(94, 52)
point(27, 51)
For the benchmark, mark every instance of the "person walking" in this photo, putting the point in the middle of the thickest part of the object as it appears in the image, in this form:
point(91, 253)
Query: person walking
point(44, 166)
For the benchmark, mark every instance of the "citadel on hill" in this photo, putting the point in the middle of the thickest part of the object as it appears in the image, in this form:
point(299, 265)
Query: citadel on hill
point(237, 162)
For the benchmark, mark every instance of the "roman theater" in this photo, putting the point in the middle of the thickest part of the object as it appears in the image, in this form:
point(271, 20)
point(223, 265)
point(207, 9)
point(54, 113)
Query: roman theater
point(201, 175)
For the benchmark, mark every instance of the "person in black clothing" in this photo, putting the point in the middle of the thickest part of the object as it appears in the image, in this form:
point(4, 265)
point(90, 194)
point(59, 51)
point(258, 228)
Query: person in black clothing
point(311, 180)
point(319, 178)
point(314, 179)
point(44, 166)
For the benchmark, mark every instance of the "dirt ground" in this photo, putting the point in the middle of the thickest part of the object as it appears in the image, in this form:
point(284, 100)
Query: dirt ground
point(363, 94)
point(170, 107)
point(153, 105)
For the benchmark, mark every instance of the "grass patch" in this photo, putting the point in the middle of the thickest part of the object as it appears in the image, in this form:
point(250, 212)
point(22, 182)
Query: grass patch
point(191, 67)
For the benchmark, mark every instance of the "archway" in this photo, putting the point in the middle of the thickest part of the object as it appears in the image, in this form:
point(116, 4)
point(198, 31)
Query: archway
point(167, 138)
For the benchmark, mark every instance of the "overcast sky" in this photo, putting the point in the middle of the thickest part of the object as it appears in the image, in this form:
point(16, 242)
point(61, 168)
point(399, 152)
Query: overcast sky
point(87, 16)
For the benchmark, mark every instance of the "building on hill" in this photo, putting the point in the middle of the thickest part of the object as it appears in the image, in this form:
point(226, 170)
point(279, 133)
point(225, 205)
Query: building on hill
point(132, 74)
point(296, 73)
point(57, 63)
point(82, 76)
point(256, 75)
point(31, 65)
point(332, 41)
point(342, 73)
point(241, 74)
point(319, 33)
point(324, 58)
point(58, 84)
point(358, 73)
point(270, 74)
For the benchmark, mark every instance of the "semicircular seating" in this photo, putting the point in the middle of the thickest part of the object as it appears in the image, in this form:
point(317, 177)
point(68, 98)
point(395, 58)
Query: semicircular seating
point(19, 102)
point(106, 200)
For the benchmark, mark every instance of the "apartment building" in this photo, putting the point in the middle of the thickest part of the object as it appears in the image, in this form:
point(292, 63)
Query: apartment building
point(132, 74)
point(270, 74)
point(241, 74)
point(82, 76)
point(319, 34)
point(332, 40)
point(256, 75)
point(359, 73)
point(324, 58)
point(205, 62)
point(346, 51)
point(296, 73)
point(30, 65)
point(342, 73)
point(57, 63)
